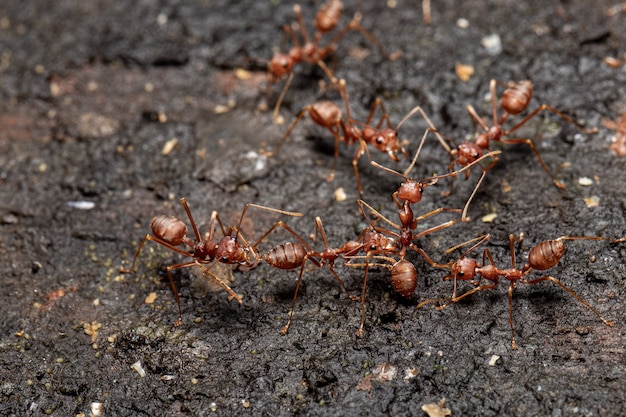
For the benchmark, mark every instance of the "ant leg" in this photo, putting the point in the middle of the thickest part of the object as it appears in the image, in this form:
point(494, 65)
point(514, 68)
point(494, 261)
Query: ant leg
point(419, 110)
point(333, 80)
point(513, 343)
point(367, 264)
point(183, 201)
point(217, 280)
point(379, 216)
point(355, 163)
point(288, 229)
point(287, 134)
point(426, 11)
point(169, 275)
point(384, 116)
point(468, 293)
point(476, 119)
point(155, 240)
point(554, 111)
point(285, 329)
point(319, 228)
point(298, 12)
point(441, 226)
point(571, 292)
point(275, 116)
point(428, 259)
point(530, 143)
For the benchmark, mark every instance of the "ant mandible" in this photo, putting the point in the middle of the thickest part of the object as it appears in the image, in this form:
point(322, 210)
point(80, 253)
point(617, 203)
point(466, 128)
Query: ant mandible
point(541, 257)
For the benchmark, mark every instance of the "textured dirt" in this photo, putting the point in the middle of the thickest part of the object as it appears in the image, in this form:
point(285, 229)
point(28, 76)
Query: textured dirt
point(93, 92)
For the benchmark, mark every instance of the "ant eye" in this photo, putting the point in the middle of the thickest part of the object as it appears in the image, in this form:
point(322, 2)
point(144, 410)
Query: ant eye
point(379, 139)
point(476, 155)
point(373, 247)
point(224, 259)
point(461, 274)
point(421, 190)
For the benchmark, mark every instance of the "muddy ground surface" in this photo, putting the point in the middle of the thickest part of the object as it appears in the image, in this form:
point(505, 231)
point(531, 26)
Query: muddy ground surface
point(113, 111)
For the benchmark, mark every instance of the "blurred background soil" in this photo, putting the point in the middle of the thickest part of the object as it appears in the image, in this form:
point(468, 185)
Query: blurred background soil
point(113, 111)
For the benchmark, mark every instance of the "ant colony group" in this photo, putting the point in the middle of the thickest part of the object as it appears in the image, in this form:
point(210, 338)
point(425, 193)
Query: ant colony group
point(384, 242)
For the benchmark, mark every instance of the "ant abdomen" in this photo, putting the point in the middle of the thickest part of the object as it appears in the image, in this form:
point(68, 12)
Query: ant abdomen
point(169, 228)
point(404, 278)
point(546, 254)
point(517, 97)
point(288, 255)
point(328, 16)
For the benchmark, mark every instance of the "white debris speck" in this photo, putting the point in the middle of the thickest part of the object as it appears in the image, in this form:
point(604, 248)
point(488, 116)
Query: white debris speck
point(463, 23)
point(162, 19)
point(494, 359)
point(139, 368)
point(437, 409)
point(340, 194)
point(585, 181)
point(81, 205)
point(96, 409)
point(489, 218)
point(260, 161)
point(385, 372)
point(169, 146)
point(409, 373)
point(492, 44)
point(593, 201)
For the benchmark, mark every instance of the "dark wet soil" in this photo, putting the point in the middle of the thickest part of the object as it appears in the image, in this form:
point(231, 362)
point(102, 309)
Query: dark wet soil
point(113, 111)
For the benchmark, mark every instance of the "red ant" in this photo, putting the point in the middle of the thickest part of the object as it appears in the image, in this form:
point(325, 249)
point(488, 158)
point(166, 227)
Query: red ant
point(328, 115)
point(292, 255)
point(541, 257)
point(515, 99)
point(403, 273)
point(171, 232)
point(311, 51)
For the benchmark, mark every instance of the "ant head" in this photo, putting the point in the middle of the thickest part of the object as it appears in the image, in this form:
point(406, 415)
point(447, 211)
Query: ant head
point(385, 140)
point(412, 190)
point(378, 243)
point(280, 65)
point(464, 269)
point(468, 152)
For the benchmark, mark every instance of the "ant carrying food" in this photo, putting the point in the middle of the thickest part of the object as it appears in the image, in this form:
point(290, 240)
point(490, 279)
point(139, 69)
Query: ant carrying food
point(541, 257)
point(515, 99)
point(310, 50)
point(171, 232)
